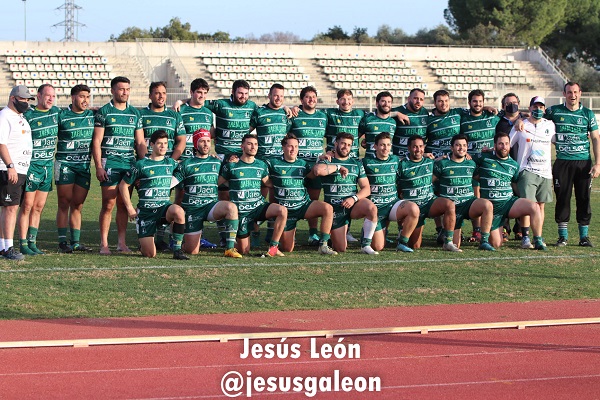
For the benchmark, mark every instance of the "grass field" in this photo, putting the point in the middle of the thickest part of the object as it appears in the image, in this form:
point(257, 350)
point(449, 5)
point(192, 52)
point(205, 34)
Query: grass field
point(90, 285)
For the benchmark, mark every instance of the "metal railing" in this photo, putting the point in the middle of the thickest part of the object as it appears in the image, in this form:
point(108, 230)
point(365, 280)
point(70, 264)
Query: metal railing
point(142, 59)
point(184, 76)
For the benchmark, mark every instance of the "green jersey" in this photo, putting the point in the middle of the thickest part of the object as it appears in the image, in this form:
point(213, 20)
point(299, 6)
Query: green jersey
point(310, 131)
point(339, 121)
point(194, 119)
point(417, 126)
point(119, 133)
point(441, 129)
point(480, 130)
point(496, 176)
point(154, 190)
point(288, 181)
point(245, 180)
point(231, 124)
point(335, 187)
point(271, 126)
point(455, 179)
point(414, 180)
point(44, 130)
point(371, 125)
point(200, 177)
point(382, 179)
point(75, 132)
point(572, 131)
point(168, 120)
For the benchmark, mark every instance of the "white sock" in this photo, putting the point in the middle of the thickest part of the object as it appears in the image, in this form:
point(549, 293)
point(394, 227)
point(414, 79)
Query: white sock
point(2, 248)
point(369, 228)
point(8, 243)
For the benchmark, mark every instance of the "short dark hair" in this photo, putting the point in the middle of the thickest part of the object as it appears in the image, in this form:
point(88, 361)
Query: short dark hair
point(308, 89)
point(276, 86)
point(344, 92)
point(440, 92)
point(119, 79)
point(416, 90)
point(344, 135)
point(499, 135)
point(75, 90)
point(383, 94)
point(460, 136)
point(154, 85)
point(288, 137)
point(571, 83)
point(240, 83)
point(476, 92)
point(382, 135)
point(511, 94)
point(412, 138)
point(158, 134)
point(249, 136)
point(199, 84)
point(44, 86)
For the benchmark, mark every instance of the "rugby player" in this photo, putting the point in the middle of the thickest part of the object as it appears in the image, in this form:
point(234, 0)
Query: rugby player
point(374, 123)
point(417, 122)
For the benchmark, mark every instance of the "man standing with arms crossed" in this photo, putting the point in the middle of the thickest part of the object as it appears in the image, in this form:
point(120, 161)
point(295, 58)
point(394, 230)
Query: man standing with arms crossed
point(118, 131)
point(43, 122)
point(72, 167)
point(15, 154)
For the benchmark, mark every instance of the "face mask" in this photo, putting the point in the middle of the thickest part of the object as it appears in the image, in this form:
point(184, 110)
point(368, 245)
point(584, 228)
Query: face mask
point(512, 108)
point(21, 106)
point(537, 114)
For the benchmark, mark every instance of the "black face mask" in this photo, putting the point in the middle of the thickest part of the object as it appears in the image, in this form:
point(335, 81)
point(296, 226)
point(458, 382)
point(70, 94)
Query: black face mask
point(512, 108)
point(21, 106)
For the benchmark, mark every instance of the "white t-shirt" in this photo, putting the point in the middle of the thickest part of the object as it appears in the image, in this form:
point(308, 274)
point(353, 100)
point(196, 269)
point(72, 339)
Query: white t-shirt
point(15, 133)
point(534, 147)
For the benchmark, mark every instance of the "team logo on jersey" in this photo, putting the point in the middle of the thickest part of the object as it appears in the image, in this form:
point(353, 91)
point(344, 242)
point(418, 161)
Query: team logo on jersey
point(151, 172)
point(435, 125)
point(281, 192)
point(189, 139)
point(269, 139)
point(423, 121)
point(450, 190)
point(412, 192)
point(374, 189)
point(241, 173)
point(375, 169)
point(258, 173)
point(148, 193)
point(192, 189)
point(338, 121)
point(412, 173)
point(283, 119)
point(451, 172)
point(191, 119)
point(268, 119)
point(488, 124)
point(168, 122)
point(109, 171)
point(246, 115)
point(39, 123)
point(148, 122)
point(113, 120)
point(303, 122)
point(579, 121)
point(109, 141)
point(283, 172)
point(131, 120)
point(453, 121)
point(321, 124)
point(37, 143)
point(168, 171)
point(334, 189)
point(214, 168)
point(470, 126)
point(493, 165)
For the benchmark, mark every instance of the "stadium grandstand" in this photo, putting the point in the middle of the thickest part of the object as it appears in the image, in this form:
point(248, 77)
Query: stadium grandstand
point(366, 70)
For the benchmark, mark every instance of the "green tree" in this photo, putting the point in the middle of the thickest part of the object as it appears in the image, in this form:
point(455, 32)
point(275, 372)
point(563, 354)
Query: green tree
point(360, 35)
point(385, 34)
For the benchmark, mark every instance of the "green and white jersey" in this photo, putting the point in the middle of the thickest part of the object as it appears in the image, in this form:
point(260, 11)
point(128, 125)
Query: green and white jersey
point(194, 119)
point(44, 130)
point(480, 130)
point(414, 180)
point(245, 180)
point(200, 177)
point(339, 121)
point(168, 120)
point(271, 126)
point(572, 131)
point(288, 181)
point(232, 122)
point(119, 133)
point(440, 130)
point(382, 179)
point(417, 126)
point(455, 179)
point(310, 131)
point(335, 187)
point(154, 190)
point(371, 125)
point(75, 132)
point(496, 176)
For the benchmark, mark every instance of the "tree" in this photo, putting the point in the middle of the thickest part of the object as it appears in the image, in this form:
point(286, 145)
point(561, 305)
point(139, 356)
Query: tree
point(385, 34)
point(280, 37)
point(174, 30)
point(333, 34)
point(360, 35)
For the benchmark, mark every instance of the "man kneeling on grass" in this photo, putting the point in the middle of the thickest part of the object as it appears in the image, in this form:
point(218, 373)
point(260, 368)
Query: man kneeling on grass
point(154, 174)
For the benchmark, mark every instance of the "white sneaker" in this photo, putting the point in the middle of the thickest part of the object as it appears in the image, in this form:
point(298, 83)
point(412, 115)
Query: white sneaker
point(526, 243)
point(326, 250)
point(369, 250)
point(451, 247)
point(350, 238)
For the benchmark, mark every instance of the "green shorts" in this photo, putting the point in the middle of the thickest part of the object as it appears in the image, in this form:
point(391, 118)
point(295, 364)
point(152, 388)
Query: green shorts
point(246, 220)
point(341, 216)
point(501, 210)
point(195, 217)
point(534, 187)
point(148, 220)
point(383, 214)
point(39, 177)
point(295, 215)
point(116, 173)
point(69, 173)
point(424, 211)
point(462, 212)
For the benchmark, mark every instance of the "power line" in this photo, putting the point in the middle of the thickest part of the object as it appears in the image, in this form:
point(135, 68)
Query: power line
point(70, 22)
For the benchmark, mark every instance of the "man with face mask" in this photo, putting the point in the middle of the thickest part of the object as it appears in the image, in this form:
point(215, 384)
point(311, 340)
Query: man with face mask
point(15, 155)
point(533, 151)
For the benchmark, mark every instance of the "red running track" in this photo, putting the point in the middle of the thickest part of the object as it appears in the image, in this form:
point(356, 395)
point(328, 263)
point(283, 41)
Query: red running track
point(550, 362)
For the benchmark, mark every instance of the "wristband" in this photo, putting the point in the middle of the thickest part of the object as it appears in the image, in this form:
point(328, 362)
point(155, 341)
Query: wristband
point(338, 166)
point(355, 197)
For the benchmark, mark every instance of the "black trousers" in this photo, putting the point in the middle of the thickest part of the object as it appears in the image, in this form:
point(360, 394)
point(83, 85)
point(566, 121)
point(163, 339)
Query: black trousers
point(569, 174)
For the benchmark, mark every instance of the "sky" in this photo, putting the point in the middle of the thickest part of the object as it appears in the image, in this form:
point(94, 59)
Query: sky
point(238, 17)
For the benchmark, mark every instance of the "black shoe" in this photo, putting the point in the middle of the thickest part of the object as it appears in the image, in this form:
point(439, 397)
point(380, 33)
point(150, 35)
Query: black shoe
point(585, 242)
point(63, 247)
point(81, 247)
point(180, 255)
point(561, 242)
point(162, 246)
point(12, 254)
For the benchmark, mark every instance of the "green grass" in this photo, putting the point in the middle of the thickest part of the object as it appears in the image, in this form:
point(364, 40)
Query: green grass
point(90, 285)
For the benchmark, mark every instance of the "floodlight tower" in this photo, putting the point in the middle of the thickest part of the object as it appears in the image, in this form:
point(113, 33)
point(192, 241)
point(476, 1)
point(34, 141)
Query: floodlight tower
point(70, 23)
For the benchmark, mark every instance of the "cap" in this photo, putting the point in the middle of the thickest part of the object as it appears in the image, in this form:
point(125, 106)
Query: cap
point(199, 134)
point(22, 92)
point(537, 99)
